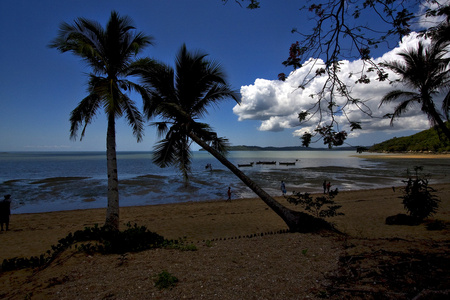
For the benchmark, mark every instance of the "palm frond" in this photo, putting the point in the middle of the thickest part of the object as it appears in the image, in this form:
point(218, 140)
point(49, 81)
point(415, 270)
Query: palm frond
point(139, 41)
point(401, 108)
point(399, 95)
point(215, 94)
point(174, 149)
point(83, 113)
point(110, 93)
point(184, 156)
point(209, 136)
point(134, 117)
point(164, 153)
point(161, 128)
point(158, 79)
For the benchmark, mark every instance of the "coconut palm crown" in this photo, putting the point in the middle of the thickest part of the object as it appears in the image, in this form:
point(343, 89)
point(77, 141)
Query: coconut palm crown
point(110, 52)
point(180, 97)
point(425, 70)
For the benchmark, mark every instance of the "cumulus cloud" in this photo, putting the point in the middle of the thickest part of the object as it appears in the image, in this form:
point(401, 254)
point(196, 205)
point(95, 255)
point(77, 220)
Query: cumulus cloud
point(428, 21)
point(277, 103)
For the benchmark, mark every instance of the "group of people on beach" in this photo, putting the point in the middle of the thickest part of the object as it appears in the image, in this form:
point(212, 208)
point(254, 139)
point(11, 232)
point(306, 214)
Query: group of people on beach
point(326, 187)
point(5, 211)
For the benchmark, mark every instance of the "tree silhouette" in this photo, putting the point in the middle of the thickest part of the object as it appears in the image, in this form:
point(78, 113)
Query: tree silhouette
point(180, 98)
point(425, 71)
point(110, 52)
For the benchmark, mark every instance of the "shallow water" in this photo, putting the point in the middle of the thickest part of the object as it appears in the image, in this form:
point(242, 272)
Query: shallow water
point(52, 181)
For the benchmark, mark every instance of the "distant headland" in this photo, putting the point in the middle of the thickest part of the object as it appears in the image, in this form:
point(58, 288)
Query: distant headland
point(287, 148)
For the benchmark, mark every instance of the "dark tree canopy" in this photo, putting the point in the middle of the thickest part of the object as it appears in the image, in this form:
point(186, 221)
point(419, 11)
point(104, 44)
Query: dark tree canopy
point(340, 31)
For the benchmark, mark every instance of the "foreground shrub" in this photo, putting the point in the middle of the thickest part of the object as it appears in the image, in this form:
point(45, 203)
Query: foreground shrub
point(320, 207)
point(165, 280)
point(418, 198)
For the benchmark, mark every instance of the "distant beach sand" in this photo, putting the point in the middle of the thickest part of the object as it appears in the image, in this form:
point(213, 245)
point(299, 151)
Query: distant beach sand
point(405, 155)
point(232, 266)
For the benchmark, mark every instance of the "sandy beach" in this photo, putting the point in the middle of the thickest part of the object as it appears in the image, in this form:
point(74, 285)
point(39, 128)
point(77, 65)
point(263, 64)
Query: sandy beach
point(228, 263)
point(406, 155)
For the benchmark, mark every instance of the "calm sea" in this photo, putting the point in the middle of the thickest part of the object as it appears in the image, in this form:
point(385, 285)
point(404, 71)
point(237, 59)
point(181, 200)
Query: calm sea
point(52, 181)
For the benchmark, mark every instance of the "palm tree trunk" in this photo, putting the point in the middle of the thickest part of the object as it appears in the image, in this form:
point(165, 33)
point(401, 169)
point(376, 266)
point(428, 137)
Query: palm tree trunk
point(112, 212)
point(430, 110)
point(441, 125)
point(296, 221)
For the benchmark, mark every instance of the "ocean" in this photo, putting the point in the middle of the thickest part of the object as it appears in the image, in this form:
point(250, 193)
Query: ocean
point(54, 181)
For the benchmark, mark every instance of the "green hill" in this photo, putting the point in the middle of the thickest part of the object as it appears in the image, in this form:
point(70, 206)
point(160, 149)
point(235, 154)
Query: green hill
point(424, 141)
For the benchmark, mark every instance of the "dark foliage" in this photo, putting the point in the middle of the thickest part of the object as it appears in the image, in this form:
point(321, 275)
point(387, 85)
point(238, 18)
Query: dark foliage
point(418, 197)
point(320, 207)
point(252, 4)
point(165, 280)
point(133, 239)
point(419, 200)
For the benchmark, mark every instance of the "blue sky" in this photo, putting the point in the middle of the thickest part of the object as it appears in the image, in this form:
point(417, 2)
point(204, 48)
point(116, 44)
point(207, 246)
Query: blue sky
point(40, 86)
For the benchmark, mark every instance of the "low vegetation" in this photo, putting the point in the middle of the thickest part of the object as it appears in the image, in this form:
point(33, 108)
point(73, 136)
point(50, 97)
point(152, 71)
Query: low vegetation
point(320, 207)
point(420, 202)
point(424, 141)
point(419, 199)
point(165, 280)
point(100, 240)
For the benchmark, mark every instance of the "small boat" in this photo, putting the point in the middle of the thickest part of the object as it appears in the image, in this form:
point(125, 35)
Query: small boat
point(266, 163)
point(245, 165)
point(287, 163)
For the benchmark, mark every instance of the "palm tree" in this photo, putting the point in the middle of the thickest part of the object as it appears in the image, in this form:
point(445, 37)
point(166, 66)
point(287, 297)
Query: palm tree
point(180, 98)
point(425, 70)
point(110, 52)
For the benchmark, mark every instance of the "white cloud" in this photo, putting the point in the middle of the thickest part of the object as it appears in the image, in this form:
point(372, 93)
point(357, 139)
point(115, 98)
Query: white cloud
point(277, 104)
point(427, 22)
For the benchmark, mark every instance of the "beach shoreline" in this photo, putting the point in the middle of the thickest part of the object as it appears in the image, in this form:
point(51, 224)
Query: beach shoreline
point(188, 219)
point(227, 264)
point(41, 183)
point(405, 155)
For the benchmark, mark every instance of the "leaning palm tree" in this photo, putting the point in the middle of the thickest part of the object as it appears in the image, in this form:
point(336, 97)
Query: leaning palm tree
point(180, 98)
point(426, 71)
point(110, 52)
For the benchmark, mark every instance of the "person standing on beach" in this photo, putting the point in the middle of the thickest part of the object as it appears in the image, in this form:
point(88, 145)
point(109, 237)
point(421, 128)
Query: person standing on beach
point(5, 211)
point(229, 194)
point(328, 187)
point(283, 188)
point(324, 186)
